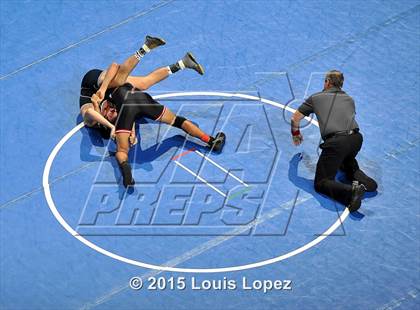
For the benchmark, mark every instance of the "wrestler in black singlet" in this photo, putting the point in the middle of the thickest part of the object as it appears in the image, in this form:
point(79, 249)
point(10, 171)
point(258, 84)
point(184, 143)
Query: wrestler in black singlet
point(89, 86)
point(131, 103)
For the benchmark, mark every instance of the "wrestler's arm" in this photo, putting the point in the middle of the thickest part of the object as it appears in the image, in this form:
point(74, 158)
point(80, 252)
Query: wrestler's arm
point(111, 73)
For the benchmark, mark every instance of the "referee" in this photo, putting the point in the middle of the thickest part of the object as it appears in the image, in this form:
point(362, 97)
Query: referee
point(335, 111)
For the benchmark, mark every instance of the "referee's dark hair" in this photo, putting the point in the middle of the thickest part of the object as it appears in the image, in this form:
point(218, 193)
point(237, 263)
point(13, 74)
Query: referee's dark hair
point(335, 77)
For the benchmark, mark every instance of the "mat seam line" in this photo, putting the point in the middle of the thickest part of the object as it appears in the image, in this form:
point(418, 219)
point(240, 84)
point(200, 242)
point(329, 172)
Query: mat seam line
point(92, 36)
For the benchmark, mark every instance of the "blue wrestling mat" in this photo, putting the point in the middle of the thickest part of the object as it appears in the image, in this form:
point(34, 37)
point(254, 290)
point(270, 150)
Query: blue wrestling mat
point(243, 229)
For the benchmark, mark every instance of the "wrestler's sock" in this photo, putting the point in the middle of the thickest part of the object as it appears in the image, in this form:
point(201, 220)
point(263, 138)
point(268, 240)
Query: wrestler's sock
point(176, 67)
point(207, 139)
point(188, 61)
point(149, 44)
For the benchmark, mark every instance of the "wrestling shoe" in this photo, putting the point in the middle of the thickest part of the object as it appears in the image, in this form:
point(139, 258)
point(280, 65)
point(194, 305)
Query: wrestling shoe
point(189, 62)
point(357, 192)
point(153, 42)
point(218, 142)
point(126, 174)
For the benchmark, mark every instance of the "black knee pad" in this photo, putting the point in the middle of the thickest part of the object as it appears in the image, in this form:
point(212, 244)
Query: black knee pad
point(179, 120)
point(126, 174)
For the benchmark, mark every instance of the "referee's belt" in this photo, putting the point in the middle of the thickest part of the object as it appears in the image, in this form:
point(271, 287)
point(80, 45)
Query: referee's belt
point(341, 133)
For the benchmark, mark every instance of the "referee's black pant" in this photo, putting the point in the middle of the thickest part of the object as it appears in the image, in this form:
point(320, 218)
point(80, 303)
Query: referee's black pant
point(338, 152)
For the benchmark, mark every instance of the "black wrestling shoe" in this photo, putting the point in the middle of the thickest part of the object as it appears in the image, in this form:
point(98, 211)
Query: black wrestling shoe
point(219, 141)
point(126, 173)
point(357, 192)
point(152, 42)
point(190, 62)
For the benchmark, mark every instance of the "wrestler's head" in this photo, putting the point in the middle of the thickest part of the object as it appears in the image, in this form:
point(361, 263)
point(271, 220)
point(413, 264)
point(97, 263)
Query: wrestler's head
point(109, 112)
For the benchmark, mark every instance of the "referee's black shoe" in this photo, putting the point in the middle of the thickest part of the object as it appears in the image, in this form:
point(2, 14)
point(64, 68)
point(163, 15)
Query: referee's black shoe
point(218, 142)
point(153, 42)
point(357, 192)
point(126, 174)
point(367, 181)
point(190, 62)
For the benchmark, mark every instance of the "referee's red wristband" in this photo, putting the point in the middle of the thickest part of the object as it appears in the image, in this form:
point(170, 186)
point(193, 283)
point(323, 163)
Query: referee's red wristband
point(295, 133)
